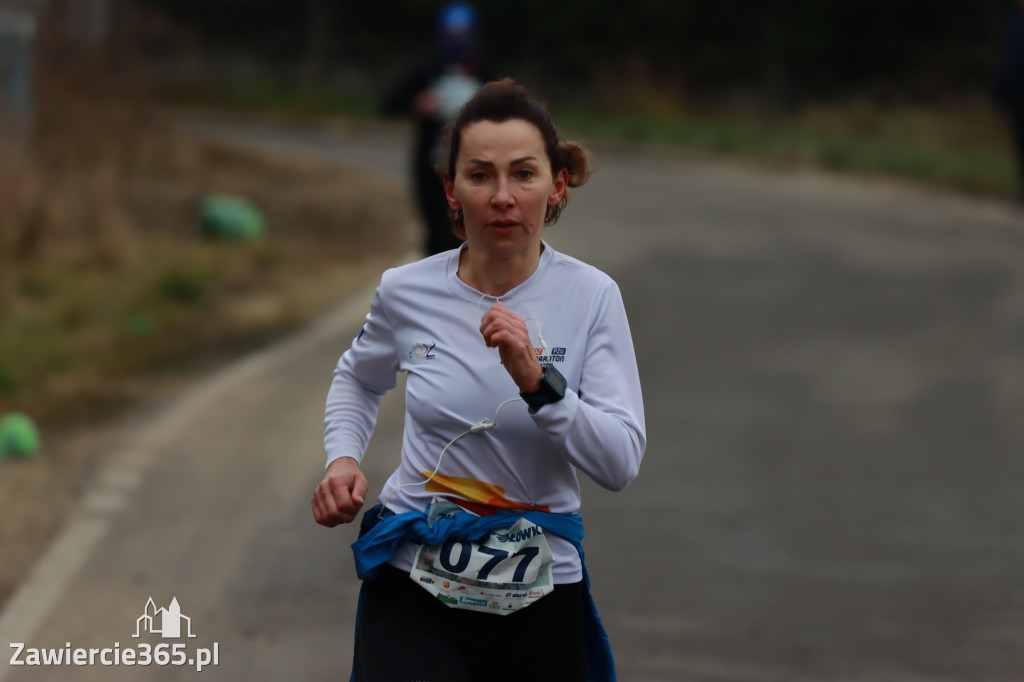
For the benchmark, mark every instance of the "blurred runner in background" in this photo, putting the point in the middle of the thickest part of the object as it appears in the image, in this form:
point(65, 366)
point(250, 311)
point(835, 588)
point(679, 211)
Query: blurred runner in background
point(432, 93)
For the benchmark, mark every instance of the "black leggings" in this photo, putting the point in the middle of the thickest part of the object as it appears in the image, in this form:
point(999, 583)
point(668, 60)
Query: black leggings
point(406, 635)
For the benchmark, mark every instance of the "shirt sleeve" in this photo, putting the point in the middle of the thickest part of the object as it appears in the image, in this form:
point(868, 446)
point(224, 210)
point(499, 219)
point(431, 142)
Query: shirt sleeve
point(600, 429)
point(365, 372)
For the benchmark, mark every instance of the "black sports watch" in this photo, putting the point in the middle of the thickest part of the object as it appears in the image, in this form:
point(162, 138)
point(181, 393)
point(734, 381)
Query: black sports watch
point(552, 389)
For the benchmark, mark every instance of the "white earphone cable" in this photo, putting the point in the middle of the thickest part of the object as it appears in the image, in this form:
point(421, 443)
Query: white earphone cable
point(483, 425)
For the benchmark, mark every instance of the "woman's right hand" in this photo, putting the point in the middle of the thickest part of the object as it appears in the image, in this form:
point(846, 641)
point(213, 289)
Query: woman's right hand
point(339, 497)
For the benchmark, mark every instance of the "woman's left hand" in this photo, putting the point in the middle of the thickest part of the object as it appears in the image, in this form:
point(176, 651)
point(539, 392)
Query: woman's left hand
point(506, 331)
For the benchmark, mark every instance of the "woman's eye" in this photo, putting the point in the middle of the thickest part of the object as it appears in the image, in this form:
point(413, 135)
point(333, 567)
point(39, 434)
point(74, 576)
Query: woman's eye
point(525, 174)
point(478, 176)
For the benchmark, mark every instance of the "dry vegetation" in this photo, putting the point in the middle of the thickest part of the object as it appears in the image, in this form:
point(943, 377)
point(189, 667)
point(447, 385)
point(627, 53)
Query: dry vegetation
point(110, 297)
point(106, 273)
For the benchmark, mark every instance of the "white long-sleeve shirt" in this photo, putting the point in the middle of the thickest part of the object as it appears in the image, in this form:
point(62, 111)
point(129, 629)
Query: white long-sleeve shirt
point(425, 321)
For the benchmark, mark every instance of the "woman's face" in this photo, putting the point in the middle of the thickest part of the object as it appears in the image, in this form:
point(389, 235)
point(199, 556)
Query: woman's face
point(503, 185)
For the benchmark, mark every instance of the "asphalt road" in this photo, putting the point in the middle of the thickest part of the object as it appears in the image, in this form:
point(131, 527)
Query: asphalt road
point(834, 383)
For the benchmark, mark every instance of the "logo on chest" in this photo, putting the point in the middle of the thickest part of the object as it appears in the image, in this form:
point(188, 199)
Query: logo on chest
point(422, 350)
point(557, 355)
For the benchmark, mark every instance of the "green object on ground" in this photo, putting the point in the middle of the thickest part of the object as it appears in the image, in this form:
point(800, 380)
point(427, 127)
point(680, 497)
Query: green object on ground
point(230, 218)
point(18, 435)
point(140, 324)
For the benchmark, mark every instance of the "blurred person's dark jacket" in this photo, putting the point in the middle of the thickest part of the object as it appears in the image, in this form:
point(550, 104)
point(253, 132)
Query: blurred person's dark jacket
point(1008, 85)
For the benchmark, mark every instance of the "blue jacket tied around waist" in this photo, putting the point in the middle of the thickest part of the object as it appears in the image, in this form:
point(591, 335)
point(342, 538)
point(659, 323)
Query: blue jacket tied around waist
point(382, 534)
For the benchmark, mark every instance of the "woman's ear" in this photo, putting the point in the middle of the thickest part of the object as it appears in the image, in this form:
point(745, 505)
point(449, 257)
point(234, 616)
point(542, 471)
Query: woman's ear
point(561, 182)
point(449, 191)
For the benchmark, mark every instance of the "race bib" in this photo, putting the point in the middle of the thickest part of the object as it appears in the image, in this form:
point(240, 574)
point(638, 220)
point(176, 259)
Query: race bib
point(506, 571)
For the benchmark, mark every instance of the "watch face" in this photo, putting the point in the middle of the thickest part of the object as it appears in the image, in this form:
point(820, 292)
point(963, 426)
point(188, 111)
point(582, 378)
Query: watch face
point(555, 378)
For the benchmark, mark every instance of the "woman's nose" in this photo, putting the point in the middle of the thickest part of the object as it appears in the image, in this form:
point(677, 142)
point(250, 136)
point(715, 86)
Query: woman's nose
point(502, 197)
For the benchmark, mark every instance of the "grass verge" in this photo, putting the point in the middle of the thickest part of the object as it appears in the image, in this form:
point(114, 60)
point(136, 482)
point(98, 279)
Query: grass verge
point(131, 286)
point(962, 147)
